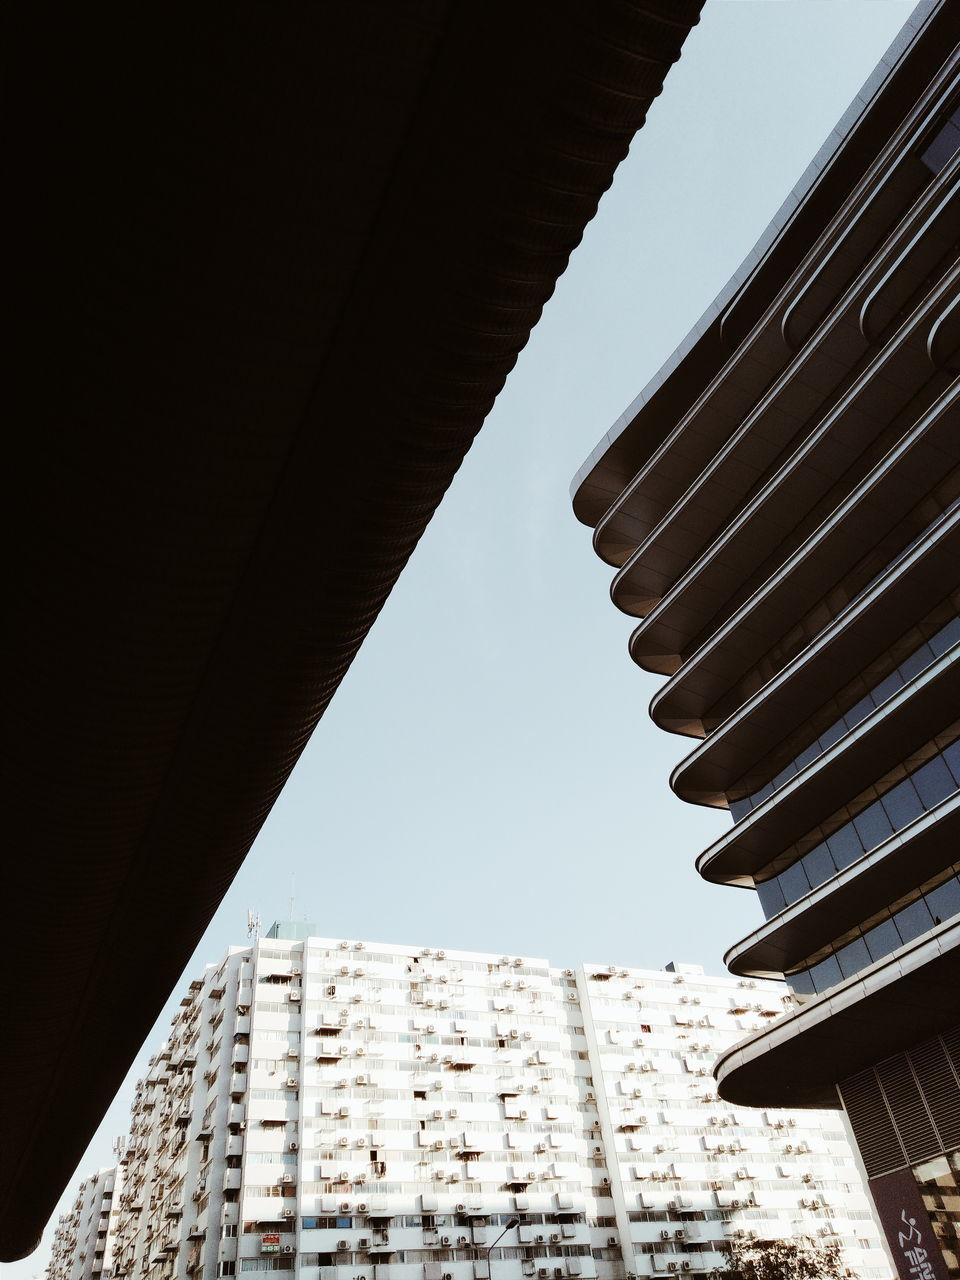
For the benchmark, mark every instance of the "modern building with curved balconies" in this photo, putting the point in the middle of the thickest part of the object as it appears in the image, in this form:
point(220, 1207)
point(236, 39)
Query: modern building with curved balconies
point(781, 507)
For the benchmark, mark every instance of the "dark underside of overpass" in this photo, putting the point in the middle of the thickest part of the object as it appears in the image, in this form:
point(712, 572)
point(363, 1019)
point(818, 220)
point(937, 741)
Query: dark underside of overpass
point(277, 263)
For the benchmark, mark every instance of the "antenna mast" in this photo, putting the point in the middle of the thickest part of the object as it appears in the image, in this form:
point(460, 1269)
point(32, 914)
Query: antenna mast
point(253, 925)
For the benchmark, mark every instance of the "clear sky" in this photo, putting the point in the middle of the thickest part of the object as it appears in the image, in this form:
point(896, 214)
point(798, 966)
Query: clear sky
point(487, 776)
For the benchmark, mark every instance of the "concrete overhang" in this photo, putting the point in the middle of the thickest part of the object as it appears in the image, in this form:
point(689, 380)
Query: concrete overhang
point(898, 1002)
point(280, 261)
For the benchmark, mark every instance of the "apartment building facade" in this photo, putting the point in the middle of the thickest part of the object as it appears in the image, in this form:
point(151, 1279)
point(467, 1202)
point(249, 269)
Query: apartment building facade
point(343, 1109)
point(782, 510)
point(84, 1238)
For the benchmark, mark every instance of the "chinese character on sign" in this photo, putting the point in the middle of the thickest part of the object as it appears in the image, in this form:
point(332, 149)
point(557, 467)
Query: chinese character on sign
point(917, 1257)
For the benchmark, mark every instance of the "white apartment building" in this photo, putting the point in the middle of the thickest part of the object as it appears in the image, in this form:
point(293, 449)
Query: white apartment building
point(83, 1242)
point(366, 1111)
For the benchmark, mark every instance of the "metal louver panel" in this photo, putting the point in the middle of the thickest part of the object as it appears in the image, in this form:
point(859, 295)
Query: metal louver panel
point(905, 1101)
point(941, 1090)
point(907, 1108)
point(872, 1125)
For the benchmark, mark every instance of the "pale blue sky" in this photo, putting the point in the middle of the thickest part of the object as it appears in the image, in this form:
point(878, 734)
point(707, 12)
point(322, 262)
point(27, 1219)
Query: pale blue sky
point(487, 776)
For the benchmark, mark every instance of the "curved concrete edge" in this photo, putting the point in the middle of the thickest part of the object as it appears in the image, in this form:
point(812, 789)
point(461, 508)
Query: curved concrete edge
point(798, 1061)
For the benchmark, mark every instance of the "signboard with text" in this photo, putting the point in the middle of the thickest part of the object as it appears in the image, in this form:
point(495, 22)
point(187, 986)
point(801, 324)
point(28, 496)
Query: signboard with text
point(907, 1226)
point(270, 1242)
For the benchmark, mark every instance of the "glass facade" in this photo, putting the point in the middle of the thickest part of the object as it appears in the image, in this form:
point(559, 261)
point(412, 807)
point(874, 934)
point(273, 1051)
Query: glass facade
point(930, 908)
point(925, 788)
point(908, 670)
point(939, 1183)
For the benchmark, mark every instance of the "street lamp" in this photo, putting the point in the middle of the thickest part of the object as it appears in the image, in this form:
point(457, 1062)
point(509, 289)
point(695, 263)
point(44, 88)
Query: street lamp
point(511, 1223)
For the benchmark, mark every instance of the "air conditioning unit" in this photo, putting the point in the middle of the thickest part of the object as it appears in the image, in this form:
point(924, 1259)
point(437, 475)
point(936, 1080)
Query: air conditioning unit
point(573, 997)
point(363, 1079)
point(664, 1235)
point(292, 1082)
point(286, 1178)
point(446, 1241)
point(453, 1113)
point(293, 1146)
point(289, 1213)
point(343, 1142)
point(568, 973)
point(296, 973)
point(343, 1244)
point(612, 1241)
point(294, 996)
point(344, 1206)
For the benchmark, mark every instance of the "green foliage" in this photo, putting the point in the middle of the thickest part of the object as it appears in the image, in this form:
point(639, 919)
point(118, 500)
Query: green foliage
point(796, 1259)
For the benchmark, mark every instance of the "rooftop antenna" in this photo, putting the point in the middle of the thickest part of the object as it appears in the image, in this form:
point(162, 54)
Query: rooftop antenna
point(253, 925)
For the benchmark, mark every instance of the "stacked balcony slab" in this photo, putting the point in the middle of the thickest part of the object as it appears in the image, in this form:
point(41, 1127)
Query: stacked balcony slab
point(782, 509)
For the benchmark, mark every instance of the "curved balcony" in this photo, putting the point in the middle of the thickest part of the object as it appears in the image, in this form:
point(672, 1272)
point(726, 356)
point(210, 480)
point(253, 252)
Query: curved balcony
point(742, 754)
point(884, 740)
point(803, 485)
point(790, 408)
point(883, 875)
point(899, 1001)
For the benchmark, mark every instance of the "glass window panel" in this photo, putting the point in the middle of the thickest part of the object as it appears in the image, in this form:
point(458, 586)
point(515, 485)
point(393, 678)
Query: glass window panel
point(873, 825)
point(853, 957)
point(887, 688)
point(951, 756)
point(819, 865)
point(882, 939)
point(902, 804)
point(740, 808)
point(912, 666)
point(801, 984)
point(826, 974)
point(944, 901)
point(945, 637)
point(934, 782)
point(845, 846)
point(859, 711)
point(808, 755)
point(771, 897)
point(794, 882)
point(913, 921)
point(832, 735)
